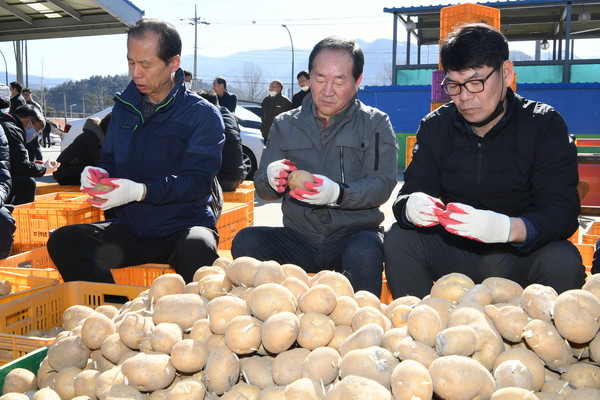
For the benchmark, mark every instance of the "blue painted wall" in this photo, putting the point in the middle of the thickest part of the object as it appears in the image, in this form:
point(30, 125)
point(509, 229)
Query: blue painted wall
point(579, 103)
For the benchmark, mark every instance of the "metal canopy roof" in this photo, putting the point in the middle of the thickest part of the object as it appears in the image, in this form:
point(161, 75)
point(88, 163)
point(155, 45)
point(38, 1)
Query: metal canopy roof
point(520, 20)
point(46, 19)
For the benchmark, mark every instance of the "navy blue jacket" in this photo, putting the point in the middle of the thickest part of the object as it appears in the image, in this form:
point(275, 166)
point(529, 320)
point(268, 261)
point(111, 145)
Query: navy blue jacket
point(176, 153)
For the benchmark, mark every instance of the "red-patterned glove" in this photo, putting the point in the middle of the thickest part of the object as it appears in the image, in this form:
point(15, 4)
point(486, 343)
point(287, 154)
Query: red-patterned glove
point(125, 191)
point(482, 225)
point(277, 174)
point(90, 176)
point(423, 210)
point(320, 191)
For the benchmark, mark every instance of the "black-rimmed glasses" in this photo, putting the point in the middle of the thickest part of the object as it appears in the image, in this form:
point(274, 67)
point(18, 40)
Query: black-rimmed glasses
point(472, 86)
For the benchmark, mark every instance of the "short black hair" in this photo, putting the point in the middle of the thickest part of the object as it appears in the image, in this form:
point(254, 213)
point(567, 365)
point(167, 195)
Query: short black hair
point(210, 96)
point(336, 43)
point(473, 46)
point(221, 81)
point(16, 85)
point(187, 73)
point(26, 90)
point(303, 73)
point(29, 111)
point(169, 41)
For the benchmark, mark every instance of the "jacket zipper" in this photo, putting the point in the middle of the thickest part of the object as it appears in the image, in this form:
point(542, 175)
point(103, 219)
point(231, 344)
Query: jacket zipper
point(376, 166)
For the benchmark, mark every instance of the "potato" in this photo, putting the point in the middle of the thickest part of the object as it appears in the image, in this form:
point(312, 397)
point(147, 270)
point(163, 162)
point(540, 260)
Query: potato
point(513, 393)
point(369, 315)
point(99, 362)
point(106, 380)
point(442, 306)
point(44, 372)
point(513, 373)
point(424, 324)
point(268, 272)
point(344, 310)
point(245, 390)
point(257, 371)
point(316, 330)
point(165, 284)
point(5, 287)
point(288, 365)
point(451, 286)
point(398, 314)
point(148, 372)
point(107, 309)
point(189, 356)
point(271, 298)
point(365, 298)
point(295, 285)
point(592, 285)
point(392, 336)
point(304, 389)
point(113, 348)
point(207, 270)
point(508, 320)
point(410, 380)
point(85, 382)
point(543, 338)
point(531, 361)
point(133, 329)
point(68, 352)
point(164, 336)
point(338, 282)
point(241, 271)
point(280, 331)
point(222, 369)
point(318, 298)
point(95, 329)
point(14, 396)
point(47, 394)
point(19, 380)
point(458, 340)
point(358, 388)
point(373, 362)
point(124, 391)
point(74, 314)
point(181, 309)
point(221, 310)
point(408, 349)
point(243, 334)
point(503, 290)
point(538, 301)
point(366, 336)
point(272, 393)
point(577, 315)
point(582, 375)
point(200, 331)
point(584, 394)
point(64, 383)
point(290, 270)
point(321, 365)
point(460, 378)
point(340, 334)
point(297, 179)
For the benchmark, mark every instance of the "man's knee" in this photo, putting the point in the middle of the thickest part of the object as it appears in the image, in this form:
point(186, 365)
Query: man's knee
point(558, 264)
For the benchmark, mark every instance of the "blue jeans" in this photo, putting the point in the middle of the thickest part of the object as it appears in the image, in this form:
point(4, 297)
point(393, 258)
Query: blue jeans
point(358, 256)
point(415, 258)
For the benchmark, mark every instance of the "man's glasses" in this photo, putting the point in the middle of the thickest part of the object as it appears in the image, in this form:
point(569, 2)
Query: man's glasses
point(472, 86)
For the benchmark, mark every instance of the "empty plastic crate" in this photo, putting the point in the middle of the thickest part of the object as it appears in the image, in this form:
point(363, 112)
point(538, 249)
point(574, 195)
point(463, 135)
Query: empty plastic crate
point(453, 16)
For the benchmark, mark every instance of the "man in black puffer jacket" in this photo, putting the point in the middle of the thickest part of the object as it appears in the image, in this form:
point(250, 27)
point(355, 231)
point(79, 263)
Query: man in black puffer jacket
point(7, 222)
point(492, 187)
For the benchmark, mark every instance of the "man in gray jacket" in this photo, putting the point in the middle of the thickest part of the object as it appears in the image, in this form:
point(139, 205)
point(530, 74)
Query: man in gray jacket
point(351, 150)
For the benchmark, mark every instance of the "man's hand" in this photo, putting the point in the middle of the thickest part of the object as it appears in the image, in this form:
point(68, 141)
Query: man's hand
point(423, 210)
point(277, 174)
point(482, 225)
point(125, 191)
point(51, 166)
point(320, 191)
point(90, 176)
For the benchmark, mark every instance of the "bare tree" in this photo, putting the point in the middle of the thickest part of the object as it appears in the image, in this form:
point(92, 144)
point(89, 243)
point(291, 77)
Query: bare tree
point(252, 86)
point(384, 75)
point(99, 98)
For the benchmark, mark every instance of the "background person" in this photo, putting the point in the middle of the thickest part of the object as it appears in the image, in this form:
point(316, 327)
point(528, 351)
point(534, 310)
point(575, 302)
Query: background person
point(16, 99)
point(351, 150)
point(7, 222)
point(272, 105)
point(226, 99)
point(162, 172)
point(492, 186)
point(304, 83)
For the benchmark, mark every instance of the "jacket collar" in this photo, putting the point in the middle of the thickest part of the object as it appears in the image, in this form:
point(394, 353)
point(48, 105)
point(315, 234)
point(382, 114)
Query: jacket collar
point(464, 126)
point(133, 96)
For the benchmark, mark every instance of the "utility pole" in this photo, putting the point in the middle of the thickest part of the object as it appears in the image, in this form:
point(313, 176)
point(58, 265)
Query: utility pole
point(195, 21)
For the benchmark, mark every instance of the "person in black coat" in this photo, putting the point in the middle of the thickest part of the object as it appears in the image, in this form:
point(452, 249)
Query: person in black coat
point(83, 151)
point(304, 82)
point(7, 222)
point(231, 173)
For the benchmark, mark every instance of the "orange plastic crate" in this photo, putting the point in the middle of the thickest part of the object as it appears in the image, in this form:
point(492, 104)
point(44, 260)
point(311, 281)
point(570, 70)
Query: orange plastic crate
point(51, 187)
point(43, 310)
point(35, 262)
point(233, 219)
point(452, 16)
point(242, 195)
point(589, 239)
point(34, 221)
point(66, 196)
point(587, 253)
point(594, 229)
point(140, 275)
point(23, 285)
point(410, 145)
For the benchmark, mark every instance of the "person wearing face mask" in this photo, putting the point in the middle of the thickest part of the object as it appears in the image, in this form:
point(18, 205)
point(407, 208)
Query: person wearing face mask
point(491, 190)
point(304, 83)
point(272, 105)
point(26, 120)
point(187, 79)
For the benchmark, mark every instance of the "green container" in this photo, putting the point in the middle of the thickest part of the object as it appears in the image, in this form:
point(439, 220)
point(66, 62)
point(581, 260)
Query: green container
point(401, 138)
point(30, 361)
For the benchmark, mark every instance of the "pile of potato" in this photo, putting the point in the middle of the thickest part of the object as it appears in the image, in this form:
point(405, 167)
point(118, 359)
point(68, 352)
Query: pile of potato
point(246, 329)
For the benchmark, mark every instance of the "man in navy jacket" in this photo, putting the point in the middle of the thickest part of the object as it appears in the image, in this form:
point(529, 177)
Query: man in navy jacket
point(161, 154)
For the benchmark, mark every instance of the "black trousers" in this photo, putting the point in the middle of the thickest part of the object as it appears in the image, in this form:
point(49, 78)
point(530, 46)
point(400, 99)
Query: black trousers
point(23, 189)
point(414, 259)
point(87, 252)
point(7, 229)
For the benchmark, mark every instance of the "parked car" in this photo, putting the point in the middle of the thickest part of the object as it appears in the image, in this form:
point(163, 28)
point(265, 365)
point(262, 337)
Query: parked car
point(252, 140)
point(255, 108)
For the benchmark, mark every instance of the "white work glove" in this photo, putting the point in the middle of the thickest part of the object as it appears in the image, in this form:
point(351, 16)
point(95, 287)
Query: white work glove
point(277, 174)
point(125, 191)
point(482, 225)
point(423, 210)
point(320, 191)
point(51, 166)
point(90, 176)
